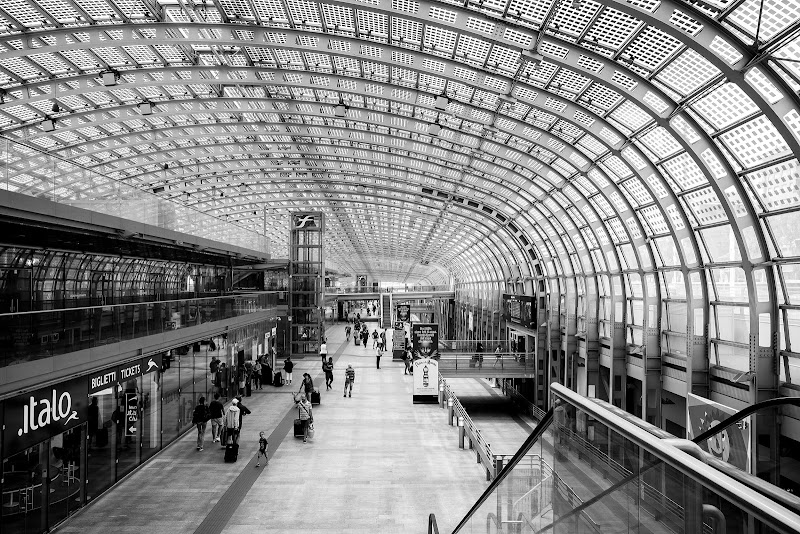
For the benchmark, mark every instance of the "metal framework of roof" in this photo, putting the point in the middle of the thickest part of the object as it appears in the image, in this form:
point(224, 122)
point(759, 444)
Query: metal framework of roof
point(479, 139)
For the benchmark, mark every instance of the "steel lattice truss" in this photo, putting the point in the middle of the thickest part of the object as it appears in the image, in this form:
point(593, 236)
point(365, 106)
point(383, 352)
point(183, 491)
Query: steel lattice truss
point(472, 139)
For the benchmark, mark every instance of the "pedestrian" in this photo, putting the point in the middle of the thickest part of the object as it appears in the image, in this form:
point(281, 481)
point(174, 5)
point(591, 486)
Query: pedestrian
point(365, 337)
point(266, 372)
point(257, 375)
point(383, 338)
point(497, 356)
point(306, 417)
point(288, 365)
point(242, 412)
point(307, 385)
point(216, 409)
point(375, 338)
point(349, 380)
point(199, 418)
point(378, 355)
point(323, 350)
point(241, 377)
point(214, 365)
point(224, 377)
point(347, 332)
point(93, 421)
point(407, 361)
point(327, 367)
point(479, 355)
point(262, 449)
point(232, 419)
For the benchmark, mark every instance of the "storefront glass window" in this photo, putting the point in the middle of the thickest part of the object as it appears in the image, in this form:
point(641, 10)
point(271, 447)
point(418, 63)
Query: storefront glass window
point(128, 425)
point(170, 386)
point(64, 476)
point(101, 461)
point(22, 510)
point(151, 414)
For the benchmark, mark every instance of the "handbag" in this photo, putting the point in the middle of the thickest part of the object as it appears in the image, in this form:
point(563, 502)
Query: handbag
point(310, 430)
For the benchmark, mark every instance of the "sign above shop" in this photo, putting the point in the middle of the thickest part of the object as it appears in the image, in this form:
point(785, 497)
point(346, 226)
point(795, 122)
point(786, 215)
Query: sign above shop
point(36, 416)
point(108, 378)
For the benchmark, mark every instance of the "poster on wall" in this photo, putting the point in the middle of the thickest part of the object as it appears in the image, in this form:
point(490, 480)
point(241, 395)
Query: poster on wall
point(520, 309)
point(732, 445)
point(426, 380)
point(425, 340)
point(398, 341)
point(404, 313)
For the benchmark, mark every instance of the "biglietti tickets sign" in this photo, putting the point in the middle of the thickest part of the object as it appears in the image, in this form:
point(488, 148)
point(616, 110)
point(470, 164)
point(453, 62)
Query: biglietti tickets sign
point(46, 412)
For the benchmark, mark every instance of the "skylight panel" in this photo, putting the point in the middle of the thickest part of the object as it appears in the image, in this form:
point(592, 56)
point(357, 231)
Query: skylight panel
point(688, 72)
point(775, 17)
point(651, 47)
point(755, 142)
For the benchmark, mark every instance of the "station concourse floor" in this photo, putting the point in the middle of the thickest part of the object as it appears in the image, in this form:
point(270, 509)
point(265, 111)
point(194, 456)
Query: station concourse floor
point(378, 463)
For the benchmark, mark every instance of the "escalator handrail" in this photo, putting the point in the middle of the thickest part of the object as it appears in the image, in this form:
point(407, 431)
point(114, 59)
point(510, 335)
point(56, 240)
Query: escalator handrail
point(733, 419)
point(433, 528)
point(537, 433)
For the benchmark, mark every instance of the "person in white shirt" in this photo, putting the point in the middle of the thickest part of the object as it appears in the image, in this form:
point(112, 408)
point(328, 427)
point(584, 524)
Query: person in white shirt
point(232, 419)
point(323, 351)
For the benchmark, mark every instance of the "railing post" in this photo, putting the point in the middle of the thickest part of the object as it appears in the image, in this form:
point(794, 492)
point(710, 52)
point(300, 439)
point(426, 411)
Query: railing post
point(498, 465)
point(441, 393)
point(450, 411)
point(461, 432)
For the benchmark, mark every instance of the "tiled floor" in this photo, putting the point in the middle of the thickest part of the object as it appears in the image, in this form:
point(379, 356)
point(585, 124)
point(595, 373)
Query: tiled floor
point(378, 463)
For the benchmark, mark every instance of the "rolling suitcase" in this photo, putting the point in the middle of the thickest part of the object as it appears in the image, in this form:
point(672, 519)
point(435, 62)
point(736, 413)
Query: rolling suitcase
point(316, 397)
point(231, 452)
point(298, 428)
point(357, 340)
point(278, 380)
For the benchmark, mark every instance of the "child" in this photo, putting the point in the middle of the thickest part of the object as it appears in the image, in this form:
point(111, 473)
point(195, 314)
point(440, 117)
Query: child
point(262, 449)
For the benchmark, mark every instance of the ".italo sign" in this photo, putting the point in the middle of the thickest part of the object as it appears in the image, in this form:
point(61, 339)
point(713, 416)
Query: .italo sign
point(41, 414)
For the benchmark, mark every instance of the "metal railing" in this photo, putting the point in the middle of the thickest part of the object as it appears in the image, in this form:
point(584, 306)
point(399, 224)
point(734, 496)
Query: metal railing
point(35, 335)
point(485, 362)
point(409, 289)
point(708, 500)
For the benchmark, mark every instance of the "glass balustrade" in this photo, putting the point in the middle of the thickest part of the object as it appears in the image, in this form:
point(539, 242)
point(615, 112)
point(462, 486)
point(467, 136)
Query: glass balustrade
point(589, 469)
point(35, 335)
point(28, 171)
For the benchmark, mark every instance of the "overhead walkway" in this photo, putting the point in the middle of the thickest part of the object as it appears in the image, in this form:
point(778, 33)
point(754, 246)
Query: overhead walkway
point(397, 296)
point(477, 365)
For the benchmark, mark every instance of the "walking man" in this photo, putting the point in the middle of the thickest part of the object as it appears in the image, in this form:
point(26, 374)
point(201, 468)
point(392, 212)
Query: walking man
point(327, 367)
point(323, 351)
point(215, 410)
point(199, 418)
point(375, 338)
point(349, 380)
point(378, 355)
point(497, 356)
point(304, 409)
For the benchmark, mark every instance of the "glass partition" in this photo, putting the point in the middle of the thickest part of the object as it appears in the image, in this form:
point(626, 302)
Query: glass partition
point(36, 335)
point(34, 173)
point(591, 469)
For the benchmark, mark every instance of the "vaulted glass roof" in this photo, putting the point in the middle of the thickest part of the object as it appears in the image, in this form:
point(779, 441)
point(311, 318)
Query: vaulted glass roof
point(485, 140)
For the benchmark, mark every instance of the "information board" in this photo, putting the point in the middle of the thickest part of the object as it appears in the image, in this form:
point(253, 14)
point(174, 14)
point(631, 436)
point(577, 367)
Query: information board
point(425, 340)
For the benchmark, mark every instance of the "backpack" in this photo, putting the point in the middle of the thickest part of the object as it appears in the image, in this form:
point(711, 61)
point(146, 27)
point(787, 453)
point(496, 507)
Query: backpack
point(200, 414)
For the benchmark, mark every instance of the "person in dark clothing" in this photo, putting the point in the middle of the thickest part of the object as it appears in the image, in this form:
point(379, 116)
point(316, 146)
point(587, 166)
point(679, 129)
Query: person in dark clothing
point(199, 419)
point(94, 421)
point(216, 412)
point(307, 385)
point(242, 412)
point(327, 367)
point(266, 372)
point(214, 365)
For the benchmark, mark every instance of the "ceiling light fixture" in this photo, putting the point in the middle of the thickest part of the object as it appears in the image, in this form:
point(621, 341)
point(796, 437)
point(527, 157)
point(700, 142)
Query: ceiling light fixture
point(48, 125)
point(145, 108)
point(340, 110)
point(434, 128)
point(109, 78)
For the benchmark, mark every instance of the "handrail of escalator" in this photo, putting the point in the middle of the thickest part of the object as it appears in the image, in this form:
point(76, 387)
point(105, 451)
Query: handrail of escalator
point(781, 498)
point(433, 528)
point(521, 452)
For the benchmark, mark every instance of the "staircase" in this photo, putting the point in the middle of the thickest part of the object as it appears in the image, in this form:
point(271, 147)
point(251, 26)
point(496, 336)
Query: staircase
point(386, 310)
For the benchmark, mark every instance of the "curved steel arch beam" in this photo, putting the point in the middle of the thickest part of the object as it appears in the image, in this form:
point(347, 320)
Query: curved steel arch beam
point(489, 230)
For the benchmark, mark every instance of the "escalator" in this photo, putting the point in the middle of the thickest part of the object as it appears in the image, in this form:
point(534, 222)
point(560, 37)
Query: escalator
point(591, 468)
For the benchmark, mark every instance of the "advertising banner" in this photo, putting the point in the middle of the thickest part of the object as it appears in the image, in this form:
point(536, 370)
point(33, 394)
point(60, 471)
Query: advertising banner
point(46, 412)
point(732, 445)
point(426, 380)
point(404, 313)
point(398, 342)
point(425, 340)
point(520, 309)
